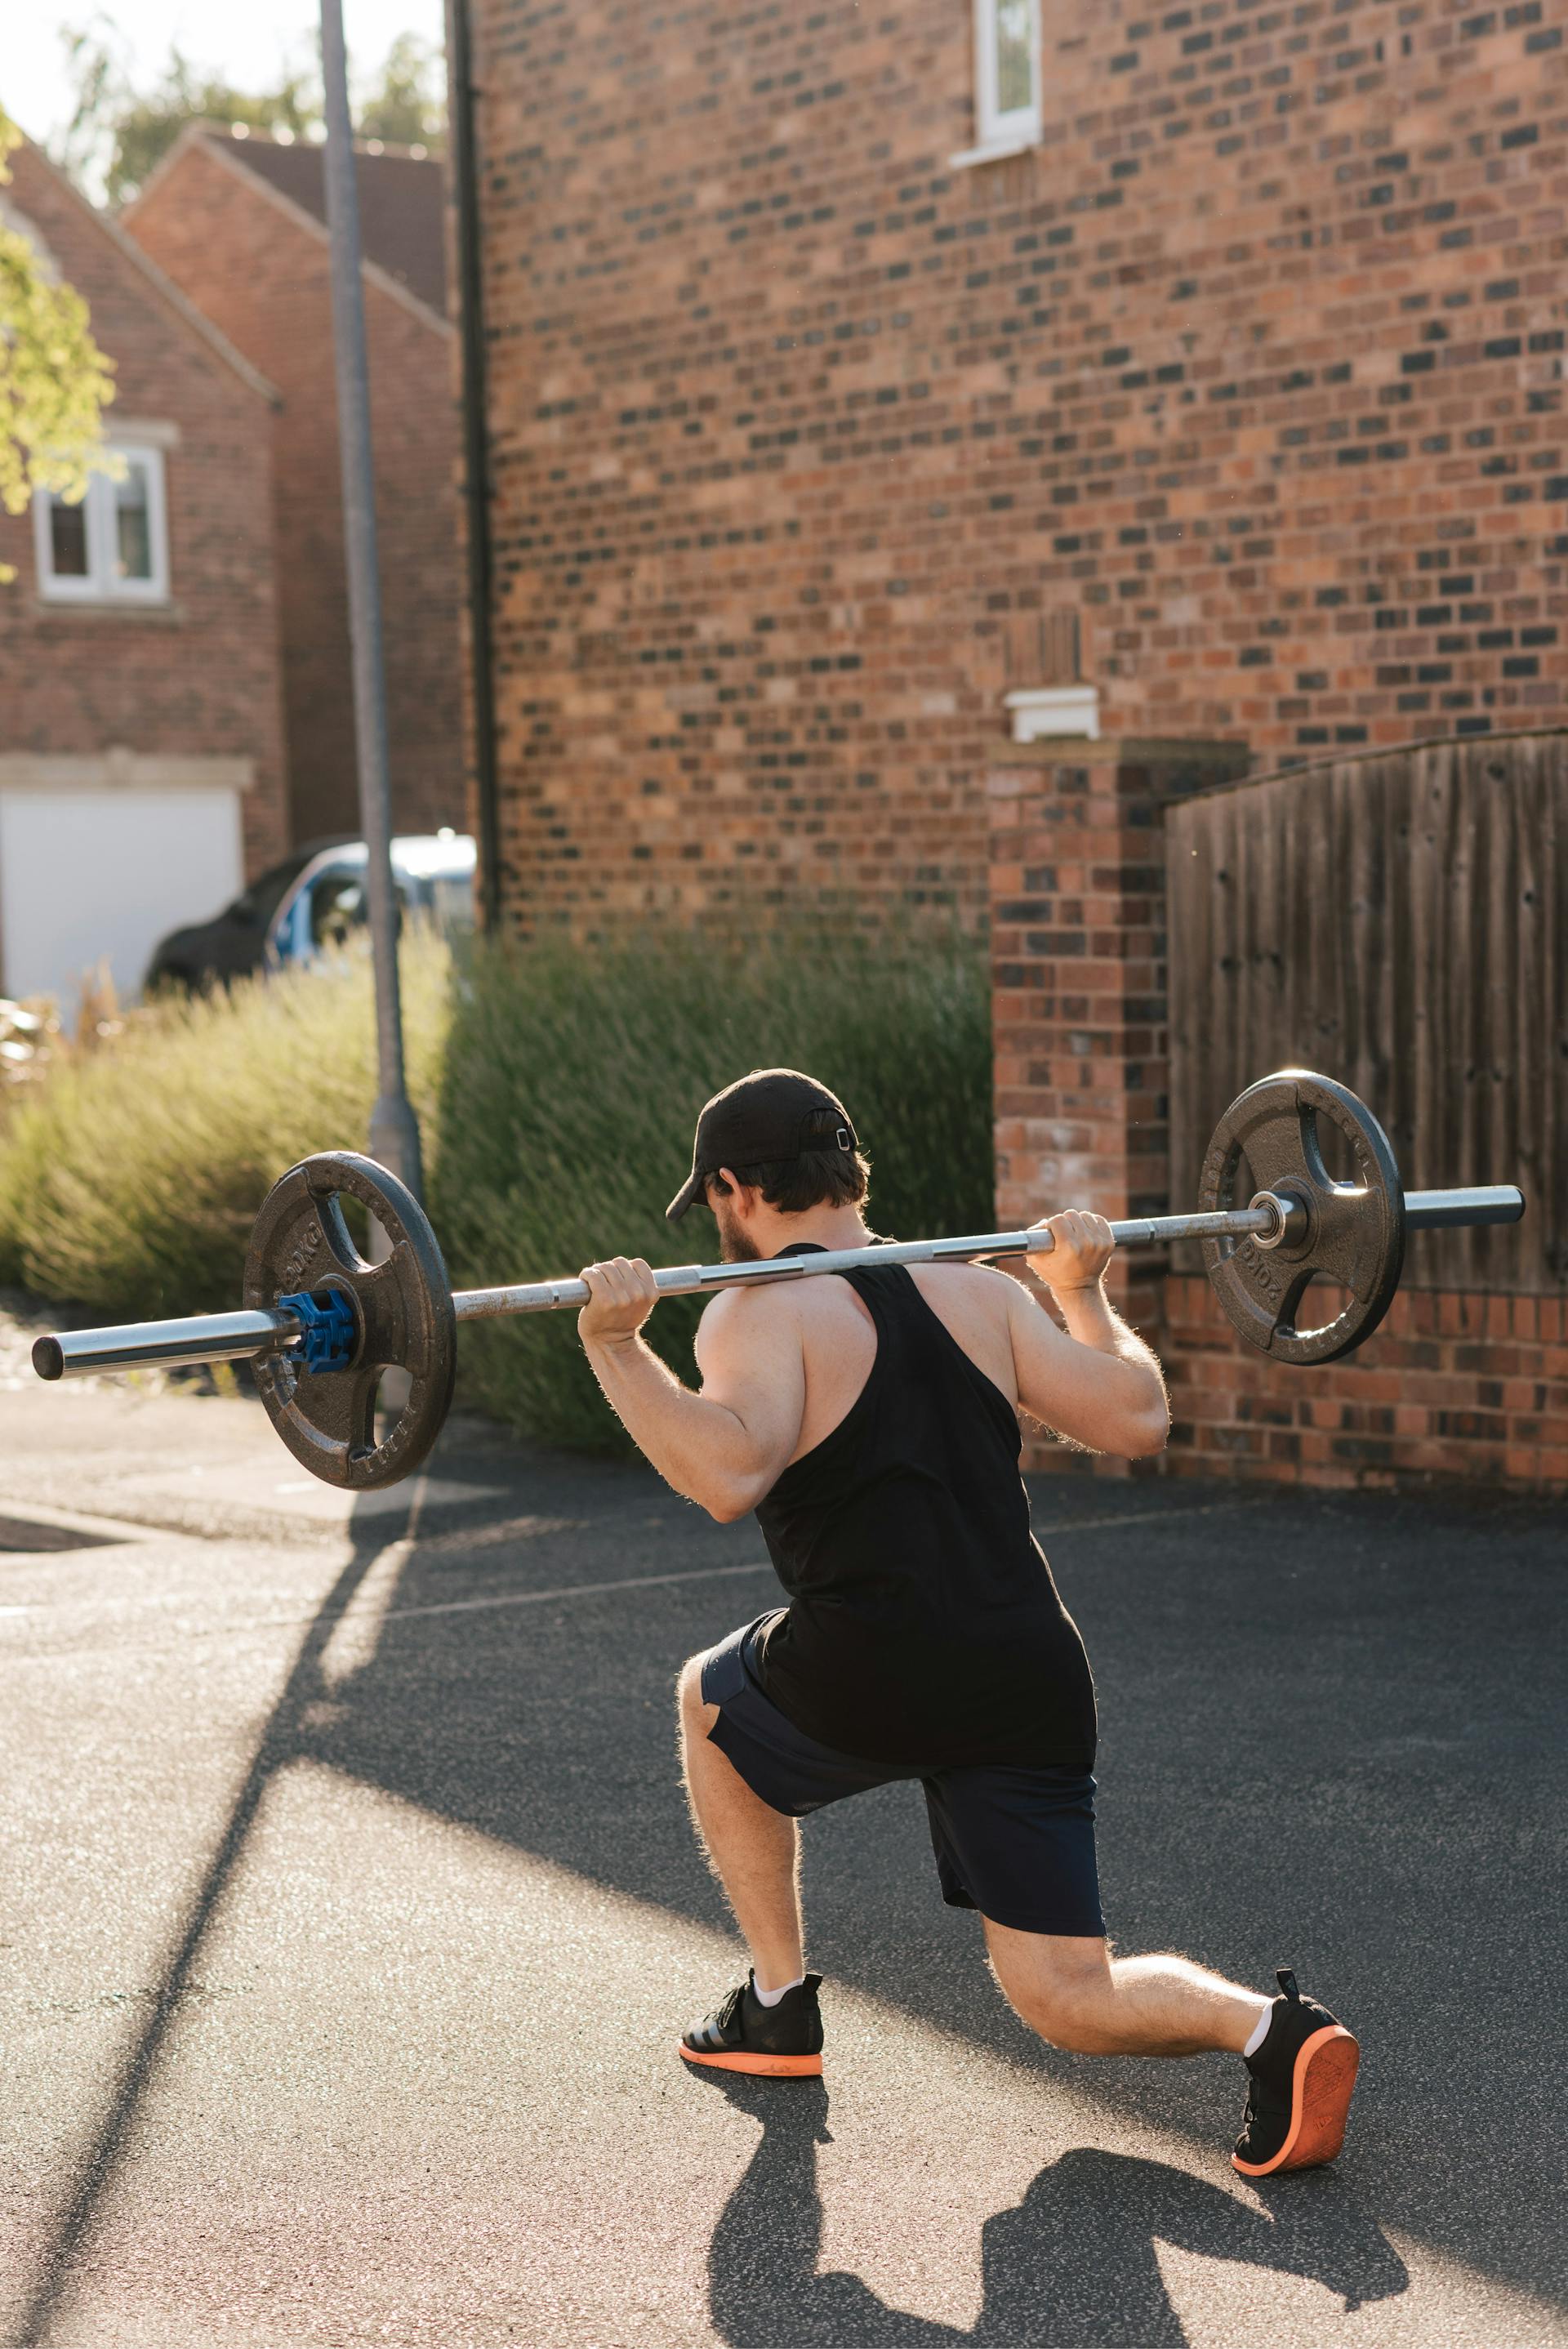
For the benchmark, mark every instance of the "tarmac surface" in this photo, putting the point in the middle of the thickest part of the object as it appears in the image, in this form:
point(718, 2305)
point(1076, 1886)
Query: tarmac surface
point(351, 1916)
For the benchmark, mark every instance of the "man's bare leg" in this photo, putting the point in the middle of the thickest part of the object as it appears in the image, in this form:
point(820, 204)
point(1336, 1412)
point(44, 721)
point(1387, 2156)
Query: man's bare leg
point(1076, 1995)
point(753, 1850)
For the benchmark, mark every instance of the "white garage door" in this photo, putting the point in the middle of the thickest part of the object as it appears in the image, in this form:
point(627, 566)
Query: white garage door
point(91, 875)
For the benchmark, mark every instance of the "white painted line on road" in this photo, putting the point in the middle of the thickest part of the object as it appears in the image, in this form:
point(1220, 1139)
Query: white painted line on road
point(575, 1590)
point(757, 1566)
point(377, 1612)
point(374, 1617)
point(1149, 1516)
point(707, 1573)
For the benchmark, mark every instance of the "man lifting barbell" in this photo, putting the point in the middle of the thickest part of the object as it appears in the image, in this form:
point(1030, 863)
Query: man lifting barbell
point(868, 1413)
point(870, 1421)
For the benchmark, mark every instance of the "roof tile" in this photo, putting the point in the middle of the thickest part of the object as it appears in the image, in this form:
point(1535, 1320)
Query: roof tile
point(402, 205)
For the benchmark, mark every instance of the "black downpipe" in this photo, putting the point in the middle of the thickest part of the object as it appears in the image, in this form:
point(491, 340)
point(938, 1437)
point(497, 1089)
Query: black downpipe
point(461, 95)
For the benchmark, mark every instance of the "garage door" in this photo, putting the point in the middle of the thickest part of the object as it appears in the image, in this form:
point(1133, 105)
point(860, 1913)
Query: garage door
point(88, 876)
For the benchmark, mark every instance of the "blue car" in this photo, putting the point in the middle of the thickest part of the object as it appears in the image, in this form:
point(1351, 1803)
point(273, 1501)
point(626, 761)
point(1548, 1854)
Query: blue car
point(313, 902)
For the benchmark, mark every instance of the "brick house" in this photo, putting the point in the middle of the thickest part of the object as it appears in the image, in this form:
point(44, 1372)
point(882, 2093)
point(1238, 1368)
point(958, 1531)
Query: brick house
point(141, 756)
point(239, 224)
point(1214, 367)
point(923, 439)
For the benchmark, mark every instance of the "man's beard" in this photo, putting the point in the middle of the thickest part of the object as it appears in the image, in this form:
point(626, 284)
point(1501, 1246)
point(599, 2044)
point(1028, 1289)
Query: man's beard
point(735, 1246)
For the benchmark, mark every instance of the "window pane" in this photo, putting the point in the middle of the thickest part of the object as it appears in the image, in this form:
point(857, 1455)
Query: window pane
point(336, 906)
point(69, 539)
point(1015, 55)
point(133, 525)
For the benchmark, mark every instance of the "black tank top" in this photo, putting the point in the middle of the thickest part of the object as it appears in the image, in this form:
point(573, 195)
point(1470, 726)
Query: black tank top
point(923, 1626)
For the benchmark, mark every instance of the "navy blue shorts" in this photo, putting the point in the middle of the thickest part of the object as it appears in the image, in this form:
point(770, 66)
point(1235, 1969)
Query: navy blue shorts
point(1017, 1844)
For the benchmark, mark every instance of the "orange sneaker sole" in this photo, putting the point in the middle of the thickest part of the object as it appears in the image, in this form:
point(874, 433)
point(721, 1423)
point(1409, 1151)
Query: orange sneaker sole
point(1321, 2088)
point(769, 2067)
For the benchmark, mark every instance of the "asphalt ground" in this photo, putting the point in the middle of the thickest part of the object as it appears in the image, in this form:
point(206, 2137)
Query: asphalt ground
point(352, 1915)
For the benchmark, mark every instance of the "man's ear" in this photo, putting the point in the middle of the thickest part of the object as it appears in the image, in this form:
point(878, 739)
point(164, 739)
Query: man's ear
point(740, 1196)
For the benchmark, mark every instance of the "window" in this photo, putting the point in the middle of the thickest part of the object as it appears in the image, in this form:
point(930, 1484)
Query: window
point(337, 907)
point(112, 546)
point(1006, 78)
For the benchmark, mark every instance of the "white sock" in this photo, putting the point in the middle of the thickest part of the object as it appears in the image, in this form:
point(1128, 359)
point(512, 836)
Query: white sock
point(1262, 2032)
point(772, 1997)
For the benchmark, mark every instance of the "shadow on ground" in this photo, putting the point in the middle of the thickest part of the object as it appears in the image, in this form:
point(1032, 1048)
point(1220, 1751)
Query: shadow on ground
point(1329, 1738)
point(1071, 2266)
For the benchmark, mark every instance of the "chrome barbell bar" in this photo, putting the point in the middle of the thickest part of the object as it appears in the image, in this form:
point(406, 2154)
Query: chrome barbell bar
point(240, 1337)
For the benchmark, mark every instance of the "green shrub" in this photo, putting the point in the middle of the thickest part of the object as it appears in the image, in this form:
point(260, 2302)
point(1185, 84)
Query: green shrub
point(572, 1083)
point(558, 1087)
point(129, 1179)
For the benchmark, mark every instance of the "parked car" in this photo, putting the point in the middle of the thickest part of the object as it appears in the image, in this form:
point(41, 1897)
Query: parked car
point(313, 901)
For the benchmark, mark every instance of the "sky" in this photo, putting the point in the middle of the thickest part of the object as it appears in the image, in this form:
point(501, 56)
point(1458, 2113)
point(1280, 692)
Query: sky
point(246, 44)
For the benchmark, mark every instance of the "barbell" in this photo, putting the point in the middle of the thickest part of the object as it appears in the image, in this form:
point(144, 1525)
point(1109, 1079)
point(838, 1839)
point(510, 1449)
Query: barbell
point(322, 1325)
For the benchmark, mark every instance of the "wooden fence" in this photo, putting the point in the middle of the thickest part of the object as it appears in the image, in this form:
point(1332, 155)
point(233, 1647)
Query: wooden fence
point(1399, 921)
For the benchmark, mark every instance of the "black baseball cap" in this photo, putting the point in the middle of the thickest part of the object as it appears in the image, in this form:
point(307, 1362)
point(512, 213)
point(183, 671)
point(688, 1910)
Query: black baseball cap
point(755, 1122)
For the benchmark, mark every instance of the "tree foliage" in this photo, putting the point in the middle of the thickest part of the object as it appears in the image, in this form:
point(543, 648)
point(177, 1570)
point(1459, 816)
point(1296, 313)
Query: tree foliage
point(121, 126)
point(405, 104)
point(54, 382)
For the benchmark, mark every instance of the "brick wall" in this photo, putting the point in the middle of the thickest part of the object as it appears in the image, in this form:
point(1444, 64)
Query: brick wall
point(1451, 1384)
point(1079, 992)
point(1078, 968)
point(259, 268)
point(1255, 364)
point(198, 677)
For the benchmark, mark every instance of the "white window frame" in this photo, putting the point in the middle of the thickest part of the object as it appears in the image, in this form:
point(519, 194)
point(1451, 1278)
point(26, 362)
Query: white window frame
point(999, 132)
point(102, 583)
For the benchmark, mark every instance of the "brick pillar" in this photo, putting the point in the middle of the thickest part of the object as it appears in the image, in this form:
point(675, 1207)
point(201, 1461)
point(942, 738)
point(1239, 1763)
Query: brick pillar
point(1077, 968)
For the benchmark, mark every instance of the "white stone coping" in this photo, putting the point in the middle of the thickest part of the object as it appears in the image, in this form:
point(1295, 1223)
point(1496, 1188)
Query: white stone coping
point(994, 151)
point(1040, 711)
point(119, 768)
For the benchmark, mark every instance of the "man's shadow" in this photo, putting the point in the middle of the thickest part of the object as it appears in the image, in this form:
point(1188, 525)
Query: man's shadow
point(1072, 2266)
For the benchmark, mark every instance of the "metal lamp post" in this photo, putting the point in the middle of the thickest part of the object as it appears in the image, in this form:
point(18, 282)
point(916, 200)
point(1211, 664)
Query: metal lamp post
point(393, 1129)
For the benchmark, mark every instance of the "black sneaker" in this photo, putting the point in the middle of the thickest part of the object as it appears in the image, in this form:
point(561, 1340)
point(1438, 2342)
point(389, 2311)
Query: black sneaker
point(784, 2042)
point(1301, 2079)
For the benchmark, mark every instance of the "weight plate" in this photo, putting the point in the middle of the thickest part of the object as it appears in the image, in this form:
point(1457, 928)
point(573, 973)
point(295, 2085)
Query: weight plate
point(1355, 1231)
point(403, 1309)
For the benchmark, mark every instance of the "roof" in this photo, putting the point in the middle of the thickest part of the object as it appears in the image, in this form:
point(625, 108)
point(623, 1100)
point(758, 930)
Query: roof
point(402, 204)
point(28, 157)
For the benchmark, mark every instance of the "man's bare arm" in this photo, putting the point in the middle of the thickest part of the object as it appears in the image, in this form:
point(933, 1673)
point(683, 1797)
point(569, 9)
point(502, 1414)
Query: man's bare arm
point(1097, 1383)
point(722, 1448)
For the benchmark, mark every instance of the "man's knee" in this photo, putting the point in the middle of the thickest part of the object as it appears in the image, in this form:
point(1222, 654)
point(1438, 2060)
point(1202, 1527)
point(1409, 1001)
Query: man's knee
point(1056, 1986)
point(1068, 2013)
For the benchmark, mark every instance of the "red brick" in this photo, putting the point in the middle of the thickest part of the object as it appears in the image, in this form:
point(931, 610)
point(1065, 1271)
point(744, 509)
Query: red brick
point(198, 677)
point(259, 268)
point(738, 396)
point(759, 358)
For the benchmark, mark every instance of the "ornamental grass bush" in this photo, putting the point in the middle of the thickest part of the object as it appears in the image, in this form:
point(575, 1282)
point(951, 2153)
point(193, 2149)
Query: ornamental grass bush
point(572, 1084)
point(130, 1177)
point(557, 1087)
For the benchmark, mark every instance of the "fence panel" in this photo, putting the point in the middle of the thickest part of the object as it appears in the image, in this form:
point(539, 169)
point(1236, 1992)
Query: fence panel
point(1400, 922)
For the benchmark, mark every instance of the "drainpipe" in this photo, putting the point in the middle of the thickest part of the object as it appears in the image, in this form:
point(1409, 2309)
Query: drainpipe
point(461, 94)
